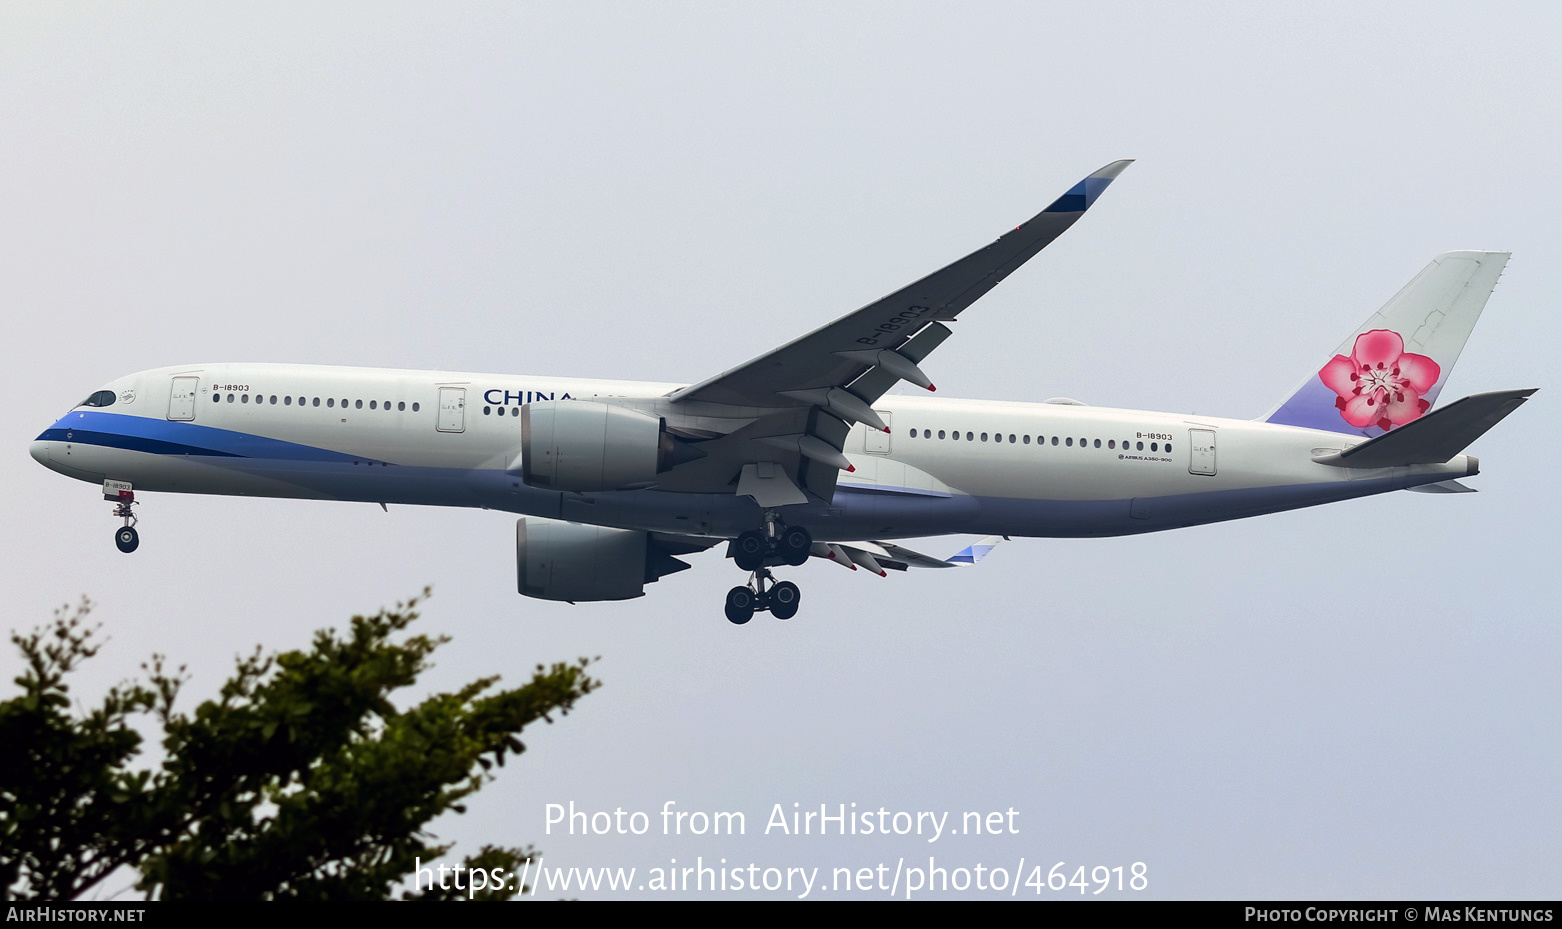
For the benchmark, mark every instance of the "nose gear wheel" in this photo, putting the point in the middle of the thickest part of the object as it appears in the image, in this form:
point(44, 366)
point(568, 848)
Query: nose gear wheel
point(126, 539)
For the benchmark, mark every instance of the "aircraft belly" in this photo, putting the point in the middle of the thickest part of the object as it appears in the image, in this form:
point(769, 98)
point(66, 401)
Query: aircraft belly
point(851, 516)
point(1130, 516)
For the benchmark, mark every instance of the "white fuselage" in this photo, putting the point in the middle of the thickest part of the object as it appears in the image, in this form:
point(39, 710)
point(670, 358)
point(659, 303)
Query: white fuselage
point(452, 439)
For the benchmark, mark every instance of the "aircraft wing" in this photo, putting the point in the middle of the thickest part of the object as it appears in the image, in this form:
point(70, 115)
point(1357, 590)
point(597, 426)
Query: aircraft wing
point(837, 354)
point(798, 401)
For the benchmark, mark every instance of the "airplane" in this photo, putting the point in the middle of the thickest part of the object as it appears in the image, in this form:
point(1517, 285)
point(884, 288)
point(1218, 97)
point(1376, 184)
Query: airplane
point(801, 452)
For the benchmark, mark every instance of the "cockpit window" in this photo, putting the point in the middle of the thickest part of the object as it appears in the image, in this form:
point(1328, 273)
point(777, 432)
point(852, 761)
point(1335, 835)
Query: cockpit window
point(101, 398)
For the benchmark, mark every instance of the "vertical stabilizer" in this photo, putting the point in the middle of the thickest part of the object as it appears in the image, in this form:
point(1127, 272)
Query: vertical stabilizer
point(1390, 371)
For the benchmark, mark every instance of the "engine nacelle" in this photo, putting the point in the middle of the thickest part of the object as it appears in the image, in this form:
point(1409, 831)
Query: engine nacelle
point(556, 560)
point(582, 446)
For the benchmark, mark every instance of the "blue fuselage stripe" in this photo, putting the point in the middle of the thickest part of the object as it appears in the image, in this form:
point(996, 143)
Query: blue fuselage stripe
point(129, 443)
point(167, 437)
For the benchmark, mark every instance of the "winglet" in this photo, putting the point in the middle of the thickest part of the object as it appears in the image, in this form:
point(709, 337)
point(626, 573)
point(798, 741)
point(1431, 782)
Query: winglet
point(980, 549)
point(1081, 195)
point(1111, 171)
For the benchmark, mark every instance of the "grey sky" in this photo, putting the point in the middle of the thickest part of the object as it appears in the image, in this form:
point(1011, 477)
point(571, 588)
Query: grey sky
point(1358, 700)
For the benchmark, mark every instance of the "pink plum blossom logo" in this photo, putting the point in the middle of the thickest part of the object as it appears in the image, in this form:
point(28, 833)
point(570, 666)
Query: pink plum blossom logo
point(1380, 384)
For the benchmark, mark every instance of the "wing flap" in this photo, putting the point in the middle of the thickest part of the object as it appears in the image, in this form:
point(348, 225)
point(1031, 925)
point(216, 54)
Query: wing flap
point(876, 381)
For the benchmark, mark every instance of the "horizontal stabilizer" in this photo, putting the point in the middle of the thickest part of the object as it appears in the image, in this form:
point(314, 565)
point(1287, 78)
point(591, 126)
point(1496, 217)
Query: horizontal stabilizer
point(978, 550)
point(1437, 436)
point(911, 558)
point(1442, 487)
point(878, 556)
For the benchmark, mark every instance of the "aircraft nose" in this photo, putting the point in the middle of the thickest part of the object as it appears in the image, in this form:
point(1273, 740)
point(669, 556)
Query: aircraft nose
point(40, 453)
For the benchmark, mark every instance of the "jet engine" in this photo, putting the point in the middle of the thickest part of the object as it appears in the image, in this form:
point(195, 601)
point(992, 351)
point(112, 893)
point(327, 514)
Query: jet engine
point(556, 560)
point(582, 446)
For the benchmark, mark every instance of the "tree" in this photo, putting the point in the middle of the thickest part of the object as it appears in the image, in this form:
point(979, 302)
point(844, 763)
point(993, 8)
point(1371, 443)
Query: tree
point(301, 780)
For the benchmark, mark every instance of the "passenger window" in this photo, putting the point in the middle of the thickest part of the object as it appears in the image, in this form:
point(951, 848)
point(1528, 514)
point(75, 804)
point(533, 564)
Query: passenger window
point(317, 401)
point(1168, 448)
point(1054, 440)
point(940, 433)
point(216, 398)
point(1111, 443)
point(955, 436)
point(1027, 440)
point(1070, 442)
point(244, 399)
point(984, 437)
point(1153, 447)
point(357, 404)
point(414, 407)
point(1141, 446)
point(515, 411)
point(968, 437)
point(230, 398)
point(330, 401)
point(487, 411)
point(1098, 443)
point(288, 400)
point(372, 406)
point(401, 407)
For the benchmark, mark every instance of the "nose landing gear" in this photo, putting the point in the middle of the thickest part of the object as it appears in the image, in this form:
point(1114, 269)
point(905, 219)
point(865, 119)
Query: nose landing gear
point(781, 599)
point(126, 537)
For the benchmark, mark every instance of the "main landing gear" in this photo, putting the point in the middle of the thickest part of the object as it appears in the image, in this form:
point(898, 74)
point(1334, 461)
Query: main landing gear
point(775, 544)
point(126, 537)
point(781, 599)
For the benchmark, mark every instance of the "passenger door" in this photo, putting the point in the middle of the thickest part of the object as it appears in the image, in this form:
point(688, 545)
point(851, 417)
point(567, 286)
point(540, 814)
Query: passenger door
point(1201, 445)
point(452, 409)
point(874, 441)
point(181, 399)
